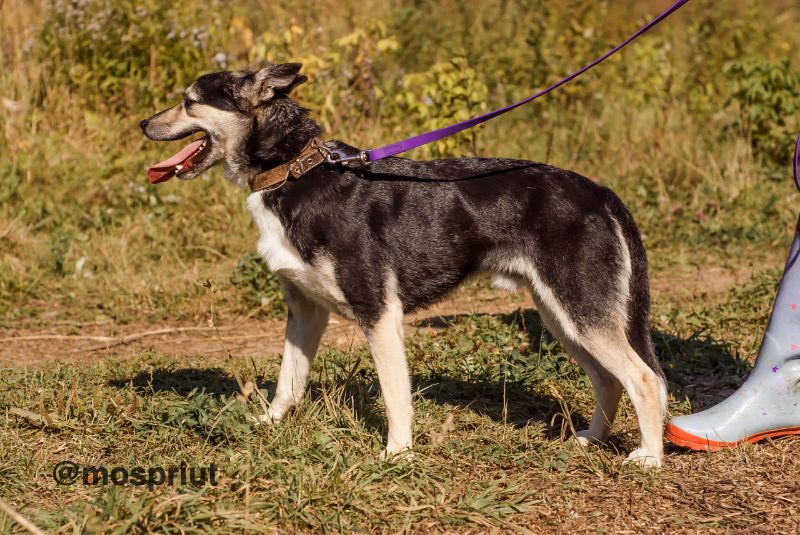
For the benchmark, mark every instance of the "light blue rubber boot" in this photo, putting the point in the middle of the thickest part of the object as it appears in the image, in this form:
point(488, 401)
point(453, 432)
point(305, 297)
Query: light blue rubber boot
point(768, 403)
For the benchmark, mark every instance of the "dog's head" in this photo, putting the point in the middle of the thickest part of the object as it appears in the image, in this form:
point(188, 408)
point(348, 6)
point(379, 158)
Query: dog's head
point(229, 108)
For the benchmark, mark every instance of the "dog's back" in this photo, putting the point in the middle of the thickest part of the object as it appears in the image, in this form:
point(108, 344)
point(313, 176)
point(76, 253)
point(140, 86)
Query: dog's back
point(434, 223)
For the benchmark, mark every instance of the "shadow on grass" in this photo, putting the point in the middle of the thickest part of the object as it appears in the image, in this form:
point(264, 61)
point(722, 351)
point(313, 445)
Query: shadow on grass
point(698, 368)
point(182, 381)
point(512, 403)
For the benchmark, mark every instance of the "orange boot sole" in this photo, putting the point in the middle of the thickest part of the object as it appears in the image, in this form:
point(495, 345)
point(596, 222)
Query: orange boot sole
point(681, 438)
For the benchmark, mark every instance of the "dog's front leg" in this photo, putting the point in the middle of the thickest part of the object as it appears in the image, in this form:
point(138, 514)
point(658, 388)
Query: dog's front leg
point(304, 328)
point(386, 343)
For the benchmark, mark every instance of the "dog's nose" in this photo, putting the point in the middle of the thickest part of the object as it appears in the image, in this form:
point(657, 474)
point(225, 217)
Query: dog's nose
point(143, 124)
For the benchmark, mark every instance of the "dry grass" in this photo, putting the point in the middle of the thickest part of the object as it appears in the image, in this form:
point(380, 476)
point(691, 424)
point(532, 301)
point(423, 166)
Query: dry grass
point(495, 400)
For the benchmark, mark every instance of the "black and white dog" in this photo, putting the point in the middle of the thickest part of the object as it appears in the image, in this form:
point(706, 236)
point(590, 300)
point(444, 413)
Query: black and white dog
point(374, 242)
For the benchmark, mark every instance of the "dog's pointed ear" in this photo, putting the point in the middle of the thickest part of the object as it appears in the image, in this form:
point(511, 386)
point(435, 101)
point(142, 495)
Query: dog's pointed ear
point(276, 79)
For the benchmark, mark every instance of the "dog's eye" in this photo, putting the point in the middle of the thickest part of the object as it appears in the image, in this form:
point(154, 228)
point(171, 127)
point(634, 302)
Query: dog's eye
point(187, 102)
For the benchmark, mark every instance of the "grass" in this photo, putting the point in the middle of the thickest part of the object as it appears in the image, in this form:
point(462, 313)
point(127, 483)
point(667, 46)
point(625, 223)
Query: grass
point(87, 248)
point(495, 399)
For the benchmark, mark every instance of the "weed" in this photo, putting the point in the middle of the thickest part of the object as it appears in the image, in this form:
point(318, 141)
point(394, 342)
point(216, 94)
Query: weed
point(258, 285)
point(766, 93)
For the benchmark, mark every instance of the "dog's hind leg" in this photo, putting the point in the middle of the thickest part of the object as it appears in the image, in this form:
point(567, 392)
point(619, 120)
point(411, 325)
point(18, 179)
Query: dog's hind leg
point(607, 393)
point(607, 389)
point(611, 362)
point(646, 389)
point(304, 328)
point(385, 339)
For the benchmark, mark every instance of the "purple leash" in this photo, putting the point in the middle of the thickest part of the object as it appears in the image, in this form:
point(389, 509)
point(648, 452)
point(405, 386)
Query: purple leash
point(434, 135)
point(797, 163)
point(796, 168)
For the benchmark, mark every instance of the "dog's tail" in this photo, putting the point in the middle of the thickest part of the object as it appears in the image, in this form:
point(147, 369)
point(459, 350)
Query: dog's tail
point(637, 329)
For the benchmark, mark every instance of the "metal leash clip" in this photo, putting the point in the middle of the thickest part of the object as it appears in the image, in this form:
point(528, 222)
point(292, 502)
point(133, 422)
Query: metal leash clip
point(335, 156)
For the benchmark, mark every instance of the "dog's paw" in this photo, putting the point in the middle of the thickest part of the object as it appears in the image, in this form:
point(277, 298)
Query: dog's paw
point(272, 417)
point(259, 419)
point(644, 459)
point(394, 456)
point(585, 438)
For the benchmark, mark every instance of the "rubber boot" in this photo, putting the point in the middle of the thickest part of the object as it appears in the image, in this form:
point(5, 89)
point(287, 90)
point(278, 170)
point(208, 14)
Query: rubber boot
point(767, 404)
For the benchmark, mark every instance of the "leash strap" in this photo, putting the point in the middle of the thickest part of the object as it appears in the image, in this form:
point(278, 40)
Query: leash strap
point(797, 165)
point(434, 135)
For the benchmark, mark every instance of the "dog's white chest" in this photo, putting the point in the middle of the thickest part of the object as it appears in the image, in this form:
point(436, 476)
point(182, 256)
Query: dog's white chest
point(317, 280)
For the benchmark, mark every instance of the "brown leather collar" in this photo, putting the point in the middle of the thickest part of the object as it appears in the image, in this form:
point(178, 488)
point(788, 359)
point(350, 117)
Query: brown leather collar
point(313, 154)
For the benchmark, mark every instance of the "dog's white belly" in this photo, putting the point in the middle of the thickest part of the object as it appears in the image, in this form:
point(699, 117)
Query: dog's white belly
point(316, 280)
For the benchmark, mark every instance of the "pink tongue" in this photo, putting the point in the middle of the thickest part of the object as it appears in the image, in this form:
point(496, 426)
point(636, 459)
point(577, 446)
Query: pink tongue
point(163, 171)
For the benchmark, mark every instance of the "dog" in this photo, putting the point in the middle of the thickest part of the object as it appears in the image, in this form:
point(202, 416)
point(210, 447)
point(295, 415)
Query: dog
point(374, 241)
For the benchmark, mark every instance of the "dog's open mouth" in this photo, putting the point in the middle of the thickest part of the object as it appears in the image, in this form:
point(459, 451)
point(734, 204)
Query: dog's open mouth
point(186, 159)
